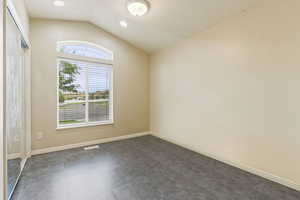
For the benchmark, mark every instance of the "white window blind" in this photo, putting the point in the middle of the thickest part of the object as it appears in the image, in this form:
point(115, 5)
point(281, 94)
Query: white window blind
point(98, 93)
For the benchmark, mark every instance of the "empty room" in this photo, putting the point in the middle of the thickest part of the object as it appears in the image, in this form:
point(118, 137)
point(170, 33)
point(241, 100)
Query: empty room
point(150, 100)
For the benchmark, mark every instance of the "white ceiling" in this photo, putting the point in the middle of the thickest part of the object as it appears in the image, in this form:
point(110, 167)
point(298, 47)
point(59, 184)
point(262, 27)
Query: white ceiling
point(167, 22)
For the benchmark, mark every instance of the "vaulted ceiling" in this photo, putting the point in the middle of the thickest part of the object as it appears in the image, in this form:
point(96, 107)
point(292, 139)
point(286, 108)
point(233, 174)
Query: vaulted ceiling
point(168, 21)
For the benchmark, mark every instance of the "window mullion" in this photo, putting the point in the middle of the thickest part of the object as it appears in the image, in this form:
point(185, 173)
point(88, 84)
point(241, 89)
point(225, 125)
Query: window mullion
point(111, 78)
point(98, 100)
point(86, 95)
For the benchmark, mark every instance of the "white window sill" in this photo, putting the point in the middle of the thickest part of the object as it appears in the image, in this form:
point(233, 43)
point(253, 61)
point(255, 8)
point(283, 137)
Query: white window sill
point(84, 125)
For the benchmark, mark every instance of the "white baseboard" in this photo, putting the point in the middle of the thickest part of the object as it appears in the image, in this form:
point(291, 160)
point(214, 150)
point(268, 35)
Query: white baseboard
point(82, 144)
point(14, 156)
point(258, 172)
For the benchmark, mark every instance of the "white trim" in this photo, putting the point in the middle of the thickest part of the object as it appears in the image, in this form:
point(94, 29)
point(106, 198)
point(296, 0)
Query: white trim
point(84, 58)
point(86, 71)
point(83, 144)
point(258, 172)
point(57, 92)
point(99, 100)
point(81, 125)
point(111, 96)
point(14, 156)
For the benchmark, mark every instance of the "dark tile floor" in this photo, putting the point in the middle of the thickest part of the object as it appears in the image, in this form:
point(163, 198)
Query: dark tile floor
point(144, 168)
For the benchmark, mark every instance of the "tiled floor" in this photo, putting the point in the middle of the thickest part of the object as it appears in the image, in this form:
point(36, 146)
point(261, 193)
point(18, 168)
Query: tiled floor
point(144, 168)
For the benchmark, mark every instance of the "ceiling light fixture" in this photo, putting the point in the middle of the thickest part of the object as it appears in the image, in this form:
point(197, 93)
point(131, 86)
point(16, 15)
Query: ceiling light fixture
point(59, 3)
point(123, 23)
point(138, 7)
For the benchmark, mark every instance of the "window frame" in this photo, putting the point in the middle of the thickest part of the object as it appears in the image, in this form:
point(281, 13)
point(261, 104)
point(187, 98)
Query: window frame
point(71, 57)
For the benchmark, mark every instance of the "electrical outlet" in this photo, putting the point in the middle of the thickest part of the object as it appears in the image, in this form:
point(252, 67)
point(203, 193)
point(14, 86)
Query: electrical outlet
point(39, 135)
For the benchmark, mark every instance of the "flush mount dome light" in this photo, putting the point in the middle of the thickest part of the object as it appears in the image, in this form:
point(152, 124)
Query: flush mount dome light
point(138, 7)
point(123, 23)
point(59, 3)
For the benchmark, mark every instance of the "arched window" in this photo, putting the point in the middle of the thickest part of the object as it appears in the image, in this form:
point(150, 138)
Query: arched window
point(85, 49)
point(84, 84)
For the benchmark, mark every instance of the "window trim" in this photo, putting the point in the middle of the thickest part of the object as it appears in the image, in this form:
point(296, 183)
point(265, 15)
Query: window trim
point(64, 56)
point(83, 58)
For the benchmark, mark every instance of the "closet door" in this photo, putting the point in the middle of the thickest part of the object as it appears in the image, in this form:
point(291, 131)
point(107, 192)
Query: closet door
point(15, 130)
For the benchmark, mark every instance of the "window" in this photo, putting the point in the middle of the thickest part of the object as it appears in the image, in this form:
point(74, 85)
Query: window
point(84, 49)
point(84, 80)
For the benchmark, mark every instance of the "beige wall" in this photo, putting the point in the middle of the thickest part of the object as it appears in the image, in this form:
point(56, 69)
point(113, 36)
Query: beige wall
point(131, 84)
point(234, 90)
